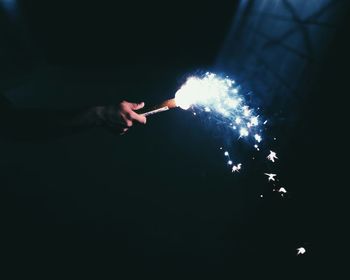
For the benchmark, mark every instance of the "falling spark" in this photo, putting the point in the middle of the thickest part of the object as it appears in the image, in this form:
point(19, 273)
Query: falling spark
point(243, 132)
point(301, 251)
point(265, 122)
point(272, 156)
point(257, 138)
point(271, 176)
point(254, 121)
point(237, 167)
point(282, 190)
point(229, 162)
point(226, 153)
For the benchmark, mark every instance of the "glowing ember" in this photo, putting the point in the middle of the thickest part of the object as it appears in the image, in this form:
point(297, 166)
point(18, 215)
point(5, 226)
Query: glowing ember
point(243, 132)
point(301, 251)
point(271, 176)
point(237, 167)
point(257, 138)
point(272, 156)
point(282, 190)
point(254, 121)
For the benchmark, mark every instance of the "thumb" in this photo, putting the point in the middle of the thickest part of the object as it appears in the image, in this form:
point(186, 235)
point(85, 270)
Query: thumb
point(137, 106)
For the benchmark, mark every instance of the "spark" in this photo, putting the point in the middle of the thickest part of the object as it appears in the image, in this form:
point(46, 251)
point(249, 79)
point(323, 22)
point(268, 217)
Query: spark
point(237, 167)
point(265, 122)
point(246, 111)
point(226, 153)
point(301, 251)
point(243, 132)
point(271, 176)
point(229, 162)
point(232, 103)
point(254, 121)
point(272, 156)
point(257, 138)
point(282, 190)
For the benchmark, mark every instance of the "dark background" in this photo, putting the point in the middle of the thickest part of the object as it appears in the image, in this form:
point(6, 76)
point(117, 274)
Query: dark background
point(160, 201)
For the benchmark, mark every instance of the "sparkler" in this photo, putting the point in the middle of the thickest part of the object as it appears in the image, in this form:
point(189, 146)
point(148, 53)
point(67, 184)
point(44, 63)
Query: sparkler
point(218, 97)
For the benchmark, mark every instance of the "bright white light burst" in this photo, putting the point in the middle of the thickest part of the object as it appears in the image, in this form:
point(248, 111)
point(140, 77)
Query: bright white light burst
point(216, 95)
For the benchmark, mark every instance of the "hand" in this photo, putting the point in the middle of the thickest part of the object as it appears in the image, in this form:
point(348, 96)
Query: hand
point(120, 117)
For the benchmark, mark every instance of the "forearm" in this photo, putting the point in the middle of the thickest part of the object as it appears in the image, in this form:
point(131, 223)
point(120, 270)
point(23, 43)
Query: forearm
point(39, 124)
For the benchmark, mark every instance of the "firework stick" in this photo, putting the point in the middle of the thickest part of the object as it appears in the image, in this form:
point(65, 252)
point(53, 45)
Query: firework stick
point(164, 106)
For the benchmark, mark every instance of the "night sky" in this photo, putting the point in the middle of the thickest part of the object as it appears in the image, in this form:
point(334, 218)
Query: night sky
point(160, 201)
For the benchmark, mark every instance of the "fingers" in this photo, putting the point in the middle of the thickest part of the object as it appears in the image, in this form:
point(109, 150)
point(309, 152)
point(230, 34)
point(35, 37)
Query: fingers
point(128, 116)
point(137, 106)
point(136, 117)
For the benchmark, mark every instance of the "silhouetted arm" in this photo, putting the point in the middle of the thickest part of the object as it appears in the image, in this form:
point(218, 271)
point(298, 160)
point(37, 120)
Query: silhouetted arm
point(41, 124)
